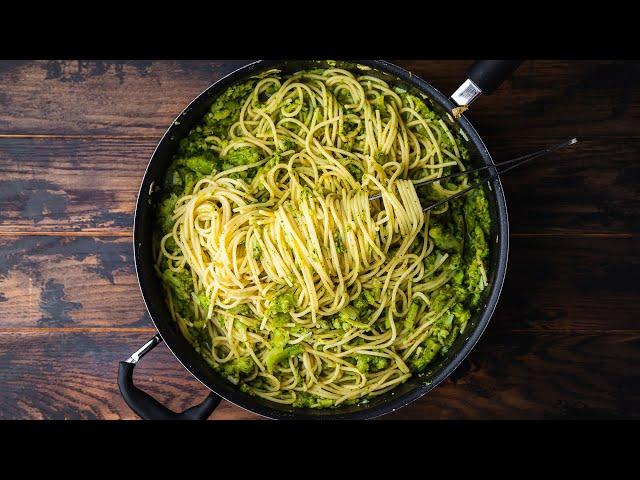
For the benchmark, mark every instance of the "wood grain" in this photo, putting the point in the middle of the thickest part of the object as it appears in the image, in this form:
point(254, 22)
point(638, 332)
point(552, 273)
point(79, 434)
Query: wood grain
point(77, 185)
point(141, 98)
point(569, 98)
point(527, 375)
point(70, 185)
point(76, 136)
point(565, 284)
point(61, 375)
point(69, 97)
point(80, 282)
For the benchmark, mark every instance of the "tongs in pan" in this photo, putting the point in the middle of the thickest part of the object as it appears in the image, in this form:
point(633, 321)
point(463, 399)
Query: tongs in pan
point(510, 164)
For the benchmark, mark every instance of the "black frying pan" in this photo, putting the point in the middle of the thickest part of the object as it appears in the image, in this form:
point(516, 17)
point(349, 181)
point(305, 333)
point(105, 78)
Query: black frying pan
point(484, 77)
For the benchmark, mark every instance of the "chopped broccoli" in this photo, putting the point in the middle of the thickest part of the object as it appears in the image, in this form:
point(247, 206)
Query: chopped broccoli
point(203, 300)
point(361, 303)
point(241, 156)
point(305, 400)
point(476, 208)
point(283, 303)
point(238, 366)
point(225, 110)
point(409, 321)
point(279, 354)
point(371, 363)
point(350, 316)
point(181, 283)
point(338, 242)
point(423, 357)
point(376, 290)
point(202, 164)
point(355, 171)
point(444, 240)
point(256, 251)
point(165, 211)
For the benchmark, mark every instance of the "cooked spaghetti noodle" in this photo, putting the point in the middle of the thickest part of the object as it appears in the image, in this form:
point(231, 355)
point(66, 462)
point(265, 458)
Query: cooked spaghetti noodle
point(278, 268)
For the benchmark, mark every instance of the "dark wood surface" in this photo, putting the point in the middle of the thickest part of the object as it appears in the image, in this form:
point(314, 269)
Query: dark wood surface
point(75, 138)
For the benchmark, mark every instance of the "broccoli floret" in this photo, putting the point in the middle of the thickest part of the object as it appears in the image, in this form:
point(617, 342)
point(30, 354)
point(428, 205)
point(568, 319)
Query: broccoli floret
point(338, 242)
point(420, 107)
point(190, 179)
point(440, 298)
point(474, 281)
point(305, 400)
point(242, 309)
point(460, 316)
point(279, 319)
point(371, 363)
point(225, 110)
point(442, 328)
point(200, 336)
point(283, 303)
point(202, 164)
point(421, 359)
point(376, 289)
point(279, 351)
point(409, 321)
point(445, 240)
point(203, 300)
point(241, 156)
point(348, 126)
point(238, 366)
point(181, 283)
point(165, 211)
point(476, 208)
point(361, 303)
point(279, 354)
point(369, 296)
point(379, 104)
point(381, 158)
point(350, 316)
point(174, 180)
point(477, 241)
point(279, 338)
point(355, 171)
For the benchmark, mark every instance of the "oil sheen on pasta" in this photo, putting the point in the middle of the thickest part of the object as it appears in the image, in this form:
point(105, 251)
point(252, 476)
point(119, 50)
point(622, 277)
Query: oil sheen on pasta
point(278, 269)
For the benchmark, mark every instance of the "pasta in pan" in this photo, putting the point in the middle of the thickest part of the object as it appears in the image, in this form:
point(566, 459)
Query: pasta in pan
point(278, 268)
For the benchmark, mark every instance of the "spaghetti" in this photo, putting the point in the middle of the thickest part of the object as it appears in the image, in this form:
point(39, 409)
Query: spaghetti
point(278, 268)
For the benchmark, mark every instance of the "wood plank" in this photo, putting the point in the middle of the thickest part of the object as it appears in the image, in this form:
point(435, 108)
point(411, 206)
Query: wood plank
point(519, 376)
point(567, 98)
point(549, 97)
point(590, 187)
point(70, 185)
point(566, 284)
point(55, 375)
point(90, 185)
point(101, 97)
point(539, 376)
point(570, 284)
point(79, 282)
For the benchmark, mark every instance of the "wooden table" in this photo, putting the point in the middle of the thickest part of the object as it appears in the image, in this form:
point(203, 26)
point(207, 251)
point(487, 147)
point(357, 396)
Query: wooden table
point(75, 138)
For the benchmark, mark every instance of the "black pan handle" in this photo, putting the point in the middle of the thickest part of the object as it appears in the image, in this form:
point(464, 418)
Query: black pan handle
point(484, 76)
point(147, 407)
point(488, 75)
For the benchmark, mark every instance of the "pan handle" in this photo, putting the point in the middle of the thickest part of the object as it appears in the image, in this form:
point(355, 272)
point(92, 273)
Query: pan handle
point(147, 407)
point(484, 76)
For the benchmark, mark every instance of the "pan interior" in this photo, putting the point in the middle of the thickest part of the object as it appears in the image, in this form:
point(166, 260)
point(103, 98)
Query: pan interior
point(151, 286)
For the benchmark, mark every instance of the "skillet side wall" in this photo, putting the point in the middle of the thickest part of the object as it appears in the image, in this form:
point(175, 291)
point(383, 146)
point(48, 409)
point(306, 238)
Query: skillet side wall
point(151, 287)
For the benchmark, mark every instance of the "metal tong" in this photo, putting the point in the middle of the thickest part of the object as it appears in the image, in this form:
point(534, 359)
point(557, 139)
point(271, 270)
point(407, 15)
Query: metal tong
point(511, 164)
